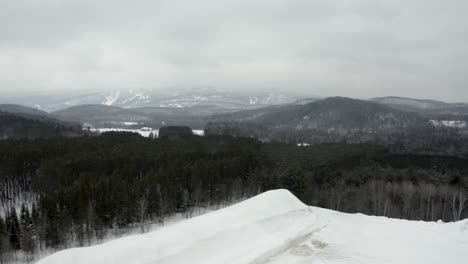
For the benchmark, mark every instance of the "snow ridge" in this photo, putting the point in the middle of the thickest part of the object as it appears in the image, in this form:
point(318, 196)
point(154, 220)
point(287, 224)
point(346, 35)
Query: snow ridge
point(276, 228)
point(238, 234)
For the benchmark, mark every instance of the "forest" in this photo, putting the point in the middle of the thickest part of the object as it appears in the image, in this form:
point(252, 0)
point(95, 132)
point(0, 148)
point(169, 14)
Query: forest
point(15, 126)
point(61, 192)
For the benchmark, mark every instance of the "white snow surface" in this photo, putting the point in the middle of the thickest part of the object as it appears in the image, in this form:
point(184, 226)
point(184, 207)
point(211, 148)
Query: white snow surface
point(144, 131)
point(141, 131)
point(275, 227)
point(448, 123)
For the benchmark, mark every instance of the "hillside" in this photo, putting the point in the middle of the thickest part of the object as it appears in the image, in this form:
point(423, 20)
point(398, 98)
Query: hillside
point(255, 231)
point(22, 110)
point(329, 114)
point(14, 126)
point(423, 106)
point(113, 116)
point(100, 113)
point(198, 110)
point(332, 116)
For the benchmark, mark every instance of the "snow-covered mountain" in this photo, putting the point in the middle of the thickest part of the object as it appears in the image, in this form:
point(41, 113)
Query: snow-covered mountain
point(275, 227)
point(122, 98)
point(137, 98)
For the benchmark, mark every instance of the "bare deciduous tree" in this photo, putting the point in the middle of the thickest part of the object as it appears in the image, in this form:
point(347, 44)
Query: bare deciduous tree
point(142, 205)
point(458, 204)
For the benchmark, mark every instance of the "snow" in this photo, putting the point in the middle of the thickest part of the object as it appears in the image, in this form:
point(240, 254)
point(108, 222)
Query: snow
point(275, 227)
point(199, 132)
point(110, 99)
point(253, 100)
point(135, 95)
point(348, 238)
point(144, 131)
point(130, 123)
point(448, 123)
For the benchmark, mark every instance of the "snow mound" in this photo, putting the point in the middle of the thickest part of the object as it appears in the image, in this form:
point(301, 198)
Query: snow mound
point(248, 232)
point(276, 228)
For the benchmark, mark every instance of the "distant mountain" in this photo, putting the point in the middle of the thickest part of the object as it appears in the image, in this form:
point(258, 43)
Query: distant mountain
point(138, 98)
point(155, 117)
point(19, 109)
point(304, 101)
point(337, 116)
point(331, 113)
point(423, 106)
point(31, 113)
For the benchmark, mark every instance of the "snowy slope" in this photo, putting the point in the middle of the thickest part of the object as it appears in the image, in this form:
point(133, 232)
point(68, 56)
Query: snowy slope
point(275, 227)
point(349, 238)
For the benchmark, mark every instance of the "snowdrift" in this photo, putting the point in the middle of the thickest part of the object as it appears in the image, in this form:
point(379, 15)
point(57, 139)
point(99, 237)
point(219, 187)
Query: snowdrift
point(242, 233)
point(275, 227)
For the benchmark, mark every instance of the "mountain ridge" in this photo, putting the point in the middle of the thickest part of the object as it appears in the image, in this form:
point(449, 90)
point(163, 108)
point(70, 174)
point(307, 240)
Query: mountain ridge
point(424, 106)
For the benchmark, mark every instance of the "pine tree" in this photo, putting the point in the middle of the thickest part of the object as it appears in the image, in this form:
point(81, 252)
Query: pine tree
point(27, 237)
point(3, 240)
point(13, 230)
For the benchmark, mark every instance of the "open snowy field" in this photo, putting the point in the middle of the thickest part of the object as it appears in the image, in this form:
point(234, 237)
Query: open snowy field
point(275, 227)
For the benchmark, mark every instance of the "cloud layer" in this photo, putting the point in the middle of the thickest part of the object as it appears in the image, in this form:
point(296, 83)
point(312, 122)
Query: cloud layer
point(359, 48)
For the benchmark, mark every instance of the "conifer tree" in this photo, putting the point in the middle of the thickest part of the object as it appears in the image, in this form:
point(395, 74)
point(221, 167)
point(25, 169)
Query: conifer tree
point(27, 237)
point(4, 247)
point(13, 230)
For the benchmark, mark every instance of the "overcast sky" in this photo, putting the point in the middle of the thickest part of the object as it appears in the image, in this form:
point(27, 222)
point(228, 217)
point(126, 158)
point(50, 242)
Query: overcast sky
point(357, 48)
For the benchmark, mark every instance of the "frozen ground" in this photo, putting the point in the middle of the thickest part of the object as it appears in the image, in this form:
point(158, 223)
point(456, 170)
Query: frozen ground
point(275, 227)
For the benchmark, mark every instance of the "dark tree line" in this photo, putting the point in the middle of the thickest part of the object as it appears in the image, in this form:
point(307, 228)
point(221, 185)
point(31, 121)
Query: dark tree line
point(63, 192)
point(14, 126)
point(421, 139)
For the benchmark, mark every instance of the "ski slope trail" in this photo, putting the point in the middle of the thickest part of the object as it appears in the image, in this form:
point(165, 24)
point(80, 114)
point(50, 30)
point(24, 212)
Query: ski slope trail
point(275, 227)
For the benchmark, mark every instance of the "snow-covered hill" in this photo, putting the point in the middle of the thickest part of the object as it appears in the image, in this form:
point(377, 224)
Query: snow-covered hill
point(275, 227)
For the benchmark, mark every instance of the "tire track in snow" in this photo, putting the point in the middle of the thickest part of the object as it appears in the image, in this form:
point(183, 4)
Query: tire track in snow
point(292, 243)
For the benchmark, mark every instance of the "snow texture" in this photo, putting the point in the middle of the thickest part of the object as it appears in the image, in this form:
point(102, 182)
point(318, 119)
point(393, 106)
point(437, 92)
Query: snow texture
point(275, 227)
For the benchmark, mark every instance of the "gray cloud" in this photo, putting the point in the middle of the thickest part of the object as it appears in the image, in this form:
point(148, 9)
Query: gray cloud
point(359, 48)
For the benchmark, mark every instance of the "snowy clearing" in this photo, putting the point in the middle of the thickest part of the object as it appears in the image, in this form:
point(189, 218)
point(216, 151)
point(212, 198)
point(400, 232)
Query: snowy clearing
point(275, 227)
point(144, 131)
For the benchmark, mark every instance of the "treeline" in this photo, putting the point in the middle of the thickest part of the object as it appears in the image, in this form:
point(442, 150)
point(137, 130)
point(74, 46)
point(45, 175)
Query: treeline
point(423, 139)
point(15, 126)
point(344, 120)
point(63, 192)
